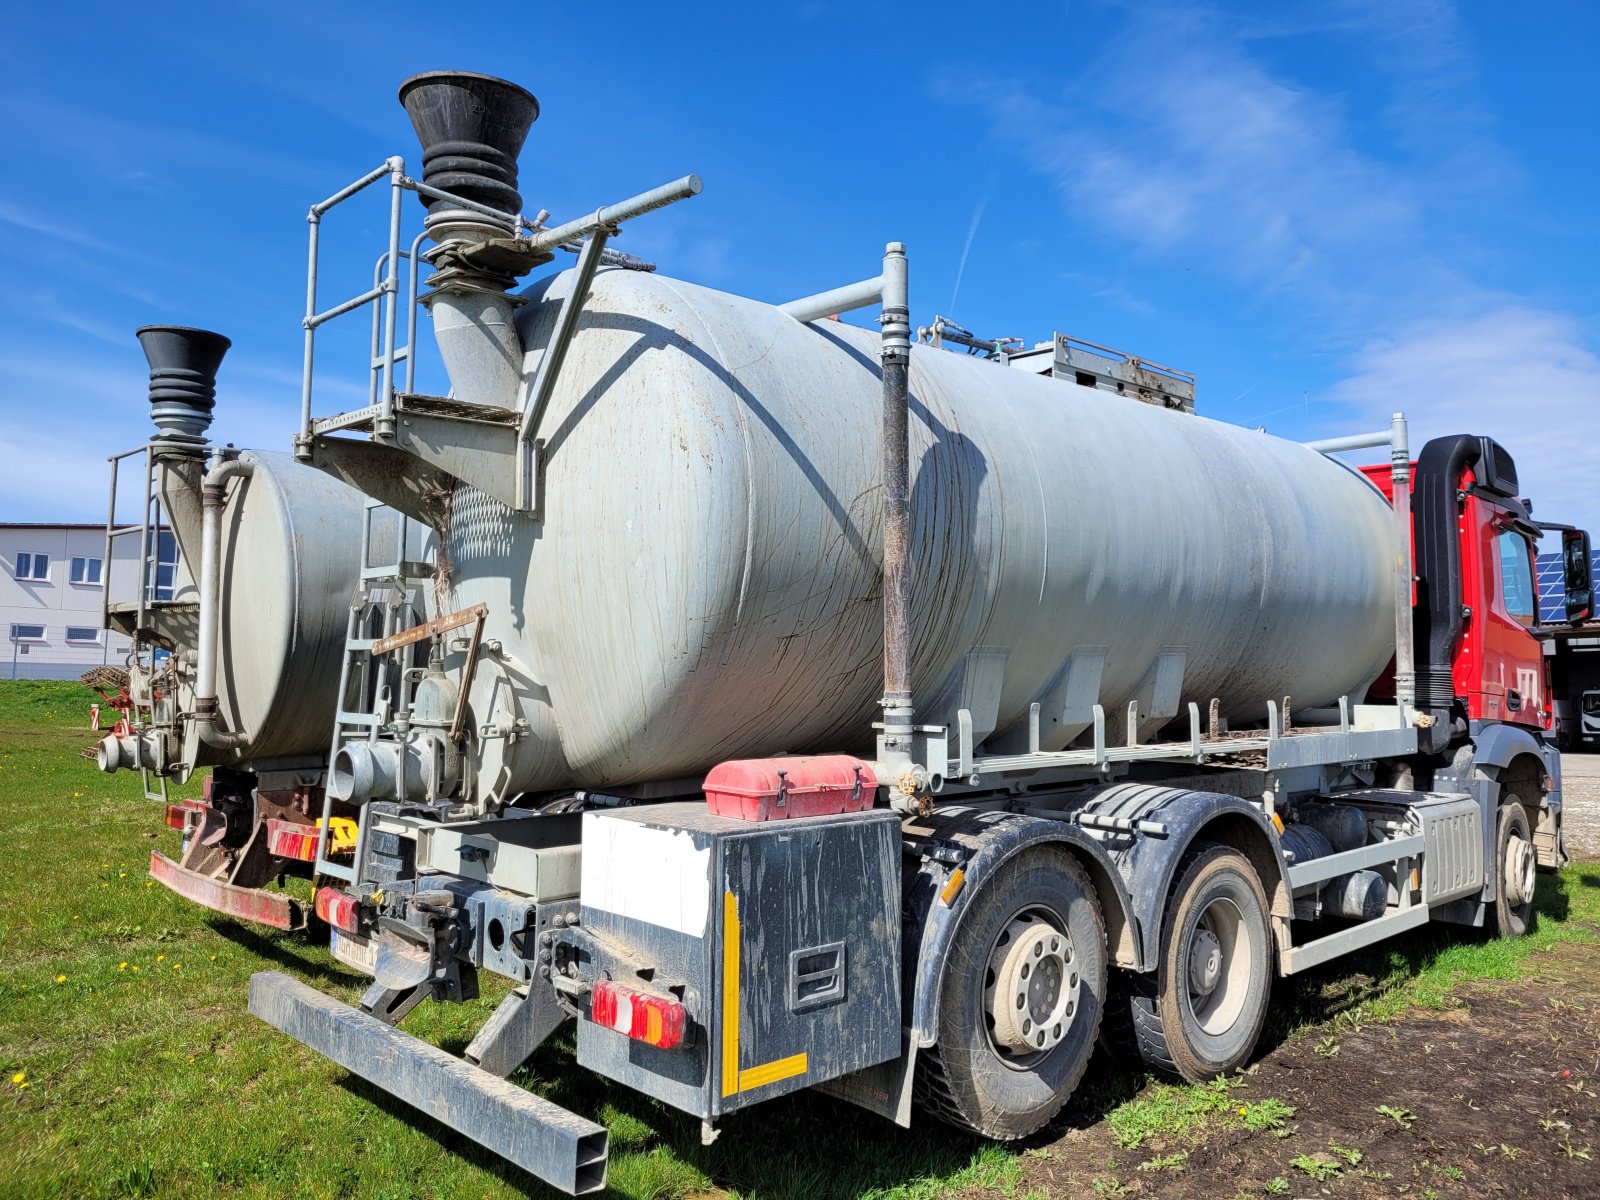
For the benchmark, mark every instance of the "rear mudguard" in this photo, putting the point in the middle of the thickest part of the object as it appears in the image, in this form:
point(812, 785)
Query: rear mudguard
point(975, 843)
point(1147, 863)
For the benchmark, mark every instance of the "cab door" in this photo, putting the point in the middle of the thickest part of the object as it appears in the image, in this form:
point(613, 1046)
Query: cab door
point(1510, 680)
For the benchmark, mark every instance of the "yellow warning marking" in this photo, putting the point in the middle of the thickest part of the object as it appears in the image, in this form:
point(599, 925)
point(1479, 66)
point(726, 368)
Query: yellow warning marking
point(952, 889)
point(730, 994)
point(783, 1068)
point(1277, 822)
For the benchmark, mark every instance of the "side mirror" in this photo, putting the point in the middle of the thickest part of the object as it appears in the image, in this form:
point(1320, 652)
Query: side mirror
point(1579, 577)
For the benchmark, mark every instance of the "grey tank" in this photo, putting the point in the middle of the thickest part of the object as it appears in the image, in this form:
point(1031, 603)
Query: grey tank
point(705, 581)
point(291, 539)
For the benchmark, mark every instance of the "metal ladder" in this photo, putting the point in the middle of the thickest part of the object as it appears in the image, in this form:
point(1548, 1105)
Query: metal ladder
point(391, 597)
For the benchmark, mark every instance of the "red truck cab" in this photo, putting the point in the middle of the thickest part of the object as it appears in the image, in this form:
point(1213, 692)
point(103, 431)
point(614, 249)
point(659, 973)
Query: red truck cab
point(1498, 665)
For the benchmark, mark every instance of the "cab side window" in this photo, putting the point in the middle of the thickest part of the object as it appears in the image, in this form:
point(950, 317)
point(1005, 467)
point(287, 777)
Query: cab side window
point(1516, 577)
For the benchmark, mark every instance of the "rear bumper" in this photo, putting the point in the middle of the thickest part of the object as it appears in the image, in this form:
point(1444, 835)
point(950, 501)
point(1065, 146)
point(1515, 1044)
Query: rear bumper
point(542, 1138)
point(247, 904)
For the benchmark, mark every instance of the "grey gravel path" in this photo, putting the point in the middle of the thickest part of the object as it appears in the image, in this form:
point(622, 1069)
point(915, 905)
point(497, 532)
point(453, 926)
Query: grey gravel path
point(1580, 790)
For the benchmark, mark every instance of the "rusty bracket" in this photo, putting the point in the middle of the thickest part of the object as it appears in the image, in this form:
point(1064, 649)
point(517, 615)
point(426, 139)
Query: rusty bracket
point(433, 628)
point(458, 722)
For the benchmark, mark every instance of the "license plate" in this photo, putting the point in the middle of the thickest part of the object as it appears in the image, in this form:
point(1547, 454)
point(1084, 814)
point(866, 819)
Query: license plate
point(355, 951)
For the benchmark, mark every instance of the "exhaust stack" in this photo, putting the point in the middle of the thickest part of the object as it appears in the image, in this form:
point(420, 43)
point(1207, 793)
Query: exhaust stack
point(472, 128)
point(183, 381)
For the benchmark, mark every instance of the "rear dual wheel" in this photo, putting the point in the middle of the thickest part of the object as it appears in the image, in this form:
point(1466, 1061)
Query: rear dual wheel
point(1201, 1014)
point(1021, 996)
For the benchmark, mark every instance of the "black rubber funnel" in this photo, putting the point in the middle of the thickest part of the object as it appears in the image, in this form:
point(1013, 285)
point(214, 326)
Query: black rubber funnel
point(471, 128)
point(183, 378)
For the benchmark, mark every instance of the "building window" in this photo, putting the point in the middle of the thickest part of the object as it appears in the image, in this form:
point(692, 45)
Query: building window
point(86, 570)
point(165, 568)
point(34, 568)
point(83, 635)
point(27, 633)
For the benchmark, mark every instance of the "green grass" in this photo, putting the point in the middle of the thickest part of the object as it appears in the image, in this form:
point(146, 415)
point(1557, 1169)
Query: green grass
point(155, 1081)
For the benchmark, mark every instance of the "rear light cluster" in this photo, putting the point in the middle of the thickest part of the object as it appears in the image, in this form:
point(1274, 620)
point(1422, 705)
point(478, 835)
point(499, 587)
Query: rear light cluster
point(290, 839)
point(178, 815)
point(654, 1020)
point(339, 909)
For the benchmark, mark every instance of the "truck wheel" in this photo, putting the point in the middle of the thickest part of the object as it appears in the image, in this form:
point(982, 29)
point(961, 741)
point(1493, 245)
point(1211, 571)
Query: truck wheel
point(1022, 989)
point(1201, 1014)
point(1516, 869)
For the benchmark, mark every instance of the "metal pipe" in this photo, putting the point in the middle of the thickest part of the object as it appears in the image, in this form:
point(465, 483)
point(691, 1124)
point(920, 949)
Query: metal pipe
point(544, 380)
point(839, 300)
point(411, 312)
point(896, 451)
point(383, 427)
point(146, 582)
point(1405, 664)
point(616, 214)
point(215, 496)
point(302, 444)
point(390, 166)
point(1353, 441)
point(493, 215)
point(338, 310)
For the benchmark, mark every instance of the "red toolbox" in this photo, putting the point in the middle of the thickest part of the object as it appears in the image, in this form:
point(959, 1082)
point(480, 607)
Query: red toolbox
point(774, 789)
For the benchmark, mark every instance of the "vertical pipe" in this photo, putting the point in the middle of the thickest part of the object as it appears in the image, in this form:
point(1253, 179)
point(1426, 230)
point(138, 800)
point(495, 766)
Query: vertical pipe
point(105, 569)
point(383, 428)
point(146, 580)
point(896, 466)
point(1405, 665)
point(302, 447)
point(215, 495)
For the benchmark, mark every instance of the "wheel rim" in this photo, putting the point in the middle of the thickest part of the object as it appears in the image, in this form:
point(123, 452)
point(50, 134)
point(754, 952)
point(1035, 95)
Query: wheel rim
point(1521, 870)
point(1217, 967)
point(1032, 987)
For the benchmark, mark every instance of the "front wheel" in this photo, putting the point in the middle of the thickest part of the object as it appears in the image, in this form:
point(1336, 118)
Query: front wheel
point(1516, 871)
point(1202, 1013)
point(1022, 988)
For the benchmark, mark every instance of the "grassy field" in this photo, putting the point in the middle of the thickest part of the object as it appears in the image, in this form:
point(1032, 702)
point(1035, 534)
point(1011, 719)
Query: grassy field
point(131, 1067)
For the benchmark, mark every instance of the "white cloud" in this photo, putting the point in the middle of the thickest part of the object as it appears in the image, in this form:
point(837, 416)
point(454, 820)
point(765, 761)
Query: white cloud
point(1523, 375)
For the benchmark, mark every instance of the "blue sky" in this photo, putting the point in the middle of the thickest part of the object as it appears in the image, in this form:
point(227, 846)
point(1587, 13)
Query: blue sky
point(1328, 211)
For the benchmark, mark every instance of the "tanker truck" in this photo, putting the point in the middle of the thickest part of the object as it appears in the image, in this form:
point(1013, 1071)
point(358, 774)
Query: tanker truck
point(809, 708)
point(235, 670)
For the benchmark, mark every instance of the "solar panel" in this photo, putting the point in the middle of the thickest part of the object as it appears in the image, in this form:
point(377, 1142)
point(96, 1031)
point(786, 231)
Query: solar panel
point(1552, 588)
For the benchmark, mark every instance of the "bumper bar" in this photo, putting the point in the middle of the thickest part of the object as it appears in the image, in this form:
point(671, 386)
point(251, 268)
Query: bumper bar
point(247, 904)
point(542, 1138)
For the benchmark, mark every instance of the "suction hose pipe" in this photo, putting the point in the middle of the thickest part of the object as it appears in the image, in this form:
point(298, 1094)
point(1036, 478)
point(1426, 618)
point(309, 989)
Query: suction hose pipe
point(214, 495)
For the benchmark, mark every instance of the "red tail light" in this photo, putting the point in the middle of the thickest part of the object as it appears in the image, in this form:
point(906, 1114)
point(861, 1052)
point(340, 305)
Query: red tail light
point(654, 1020)
point(288, 839)
point(176, 818)
point(339, 909)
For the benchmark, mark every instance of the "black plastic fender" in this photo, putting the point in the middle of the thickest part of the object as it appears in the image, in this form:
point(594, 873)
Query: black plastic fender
point(1495, 744)
point(1147, 863)
point(975, 842)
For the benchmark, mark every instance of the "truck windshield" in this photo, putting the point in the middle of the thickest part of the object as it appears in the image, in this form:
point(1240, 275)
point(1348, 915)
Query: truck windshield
point(1591, 702)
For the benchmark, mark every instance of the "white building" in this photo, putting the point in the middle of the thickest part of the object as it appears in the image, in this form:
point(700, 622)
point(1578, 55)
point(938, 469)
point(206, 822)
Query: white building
point(52, 593)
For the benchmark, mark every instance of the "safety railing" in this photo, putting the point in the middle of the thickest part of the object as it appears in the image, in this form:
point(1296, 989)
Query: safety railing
point(386, 297)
